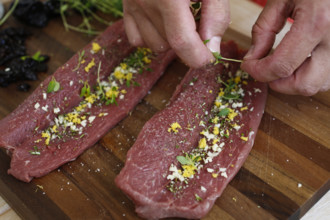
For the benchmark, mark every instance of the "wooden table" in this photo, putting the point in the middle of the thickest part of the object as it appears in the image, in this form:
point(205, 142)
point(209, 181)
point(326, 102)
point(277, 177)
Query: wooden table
point(285, 174)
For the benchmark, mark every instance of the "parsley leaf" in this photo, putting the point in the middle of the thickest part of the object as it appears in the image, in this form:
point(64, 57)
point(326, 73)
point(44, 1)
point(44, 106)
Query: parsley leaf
point(53, 86)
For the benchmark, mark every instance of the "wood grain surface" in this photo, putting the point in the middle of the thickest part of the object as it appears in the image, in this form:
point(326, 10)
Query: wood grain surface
point(287, 171)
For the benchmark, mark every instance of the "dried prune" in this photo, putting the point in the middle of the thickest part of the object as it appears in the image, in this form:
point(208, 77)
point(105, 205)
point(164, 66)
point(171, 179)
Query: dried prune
point(36, 13)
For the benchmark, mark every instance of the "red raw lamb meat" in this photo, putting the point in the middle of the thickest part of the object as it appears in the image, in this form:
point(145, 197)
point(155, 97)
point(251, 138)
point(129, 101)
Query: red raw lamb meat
point(98, 88)
point(186, 154)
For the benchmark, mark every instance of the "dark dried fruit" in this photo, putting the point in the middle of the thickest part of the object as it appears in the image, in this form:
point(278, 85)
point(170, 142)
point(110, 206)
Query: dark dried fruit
point(12, 42)
point(36, 13)
point(24, 87)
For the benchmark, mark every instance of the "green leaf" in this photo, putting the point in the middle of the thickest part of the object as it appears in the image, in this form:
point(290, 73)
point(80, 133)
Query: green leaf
point(35, 151)
point(183, 160)
point(128, 83)
point(231, 96)
point(53, 86)
point(224, 112)
point(198, 198)
point(86, 90)
point(37, 57)
point(64, 7)
point(136, 84)
point(206, 41)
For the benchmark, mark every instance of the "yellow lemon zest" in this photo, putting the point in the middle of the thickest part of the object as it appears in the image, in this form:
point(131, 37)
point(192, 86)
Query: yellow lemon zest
point(111, 93)
point(215, 120)
point(146, 60)
point(244, 138)
point(129, 76)
point(218, 104)
point(91, 98)
point(47, 136)
point(90, 65)
point(244, 108)
point(221, 93)
point(232, 114)
point(174, 127)
point(123, 66)
point(188, 170)
point(215, 141)
point(237, 79)
point(216, 130)
point(96, 47)
point(54, 128)
point(202, 143)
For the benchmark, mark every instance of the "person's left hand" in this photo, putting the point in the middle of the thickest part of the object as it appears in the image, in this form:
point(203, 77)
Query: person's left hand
point(164, 24)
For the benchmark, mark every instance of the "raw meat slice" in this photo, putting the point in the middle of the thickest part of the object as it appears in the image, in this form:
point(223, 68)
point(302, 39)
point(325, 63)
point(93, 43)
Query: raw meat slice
point(97, 99)
point(186, 154)
point(30, 114)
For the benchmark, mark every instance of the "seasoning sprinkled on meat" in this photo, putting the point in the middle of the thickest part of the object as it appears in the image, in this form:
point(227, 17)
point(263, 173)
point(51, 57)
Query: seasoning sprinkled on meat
point(71, 110)
point(186, 154)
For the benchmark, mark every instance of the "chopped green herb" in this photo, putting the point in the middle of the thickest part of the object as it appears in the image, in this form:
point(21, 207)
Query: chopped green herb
point(86, 90)
point(35, 151)
point(136, 84)
point(198, 198)
point(80, 58)
point(224, 112)
point(37, 57)
point(53, 86)
point(206, 41)
point(220, 59)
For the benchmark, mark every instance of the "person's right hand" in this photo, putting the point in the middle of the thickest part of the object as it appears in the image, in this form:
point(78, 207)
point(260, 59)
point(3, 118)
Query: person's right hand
point(300, 64)
point(164, 24)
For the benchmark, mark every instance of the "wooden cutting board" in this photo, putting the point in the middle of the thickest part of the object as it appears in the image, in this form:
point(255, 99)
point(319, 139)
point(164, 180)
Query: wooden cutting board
point(287, 171)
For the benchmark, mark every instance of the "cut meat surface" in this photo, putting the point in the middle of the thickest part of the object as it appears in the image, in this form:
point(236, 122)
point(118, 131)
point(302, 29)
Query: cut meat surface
point(186, 154)
point(25, 118)
point(99, 87)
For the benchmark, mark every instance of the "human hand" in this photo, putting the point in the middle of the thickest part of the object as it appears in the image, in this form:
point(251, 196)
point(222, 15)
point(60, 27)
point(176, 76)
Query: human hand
point(300, 63)
point(165, 24)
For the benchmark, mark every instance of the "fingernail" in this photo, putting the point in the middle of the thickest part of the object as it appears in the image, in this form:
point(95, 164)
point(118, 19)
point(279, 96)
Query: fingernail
point(214, 44)
point(249, 54)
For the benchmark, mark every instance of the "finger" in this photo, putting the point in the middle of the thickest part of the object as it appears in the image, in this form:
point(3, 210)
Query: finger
point(313, 76)
point(131, 28)
point(182, 36)
point(215, 18)
point(149, 33)
point(269, 23)
point(304, 35)
point(132, 31)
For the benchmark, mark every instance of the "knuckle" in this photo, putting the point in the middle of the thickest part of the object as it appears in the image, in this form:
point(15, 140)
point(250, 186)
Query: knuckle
point(178, 42)
point(307, 90)
point(256, 28)
point(282, 69)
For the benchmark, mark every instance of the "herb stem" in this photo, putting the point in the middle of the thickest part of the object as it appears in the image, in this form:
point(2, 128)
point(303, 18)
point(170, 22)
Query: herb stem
point(3, 20)
point(233, 60)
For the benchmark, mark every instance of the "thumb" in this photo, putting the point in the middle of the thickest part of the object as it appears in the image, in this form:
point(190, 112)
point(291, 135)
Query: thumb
point(215, 18)
point(269, 23)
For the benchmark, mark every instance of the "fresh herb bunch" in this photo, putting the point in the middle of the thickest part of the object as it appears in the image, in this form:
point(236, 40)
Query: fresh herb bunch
point(87, 8)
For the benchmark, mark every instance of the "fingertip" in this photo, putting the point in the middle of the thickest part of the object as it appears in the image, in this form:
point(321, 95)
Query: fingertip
point(132, 31)
point(214, 44)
